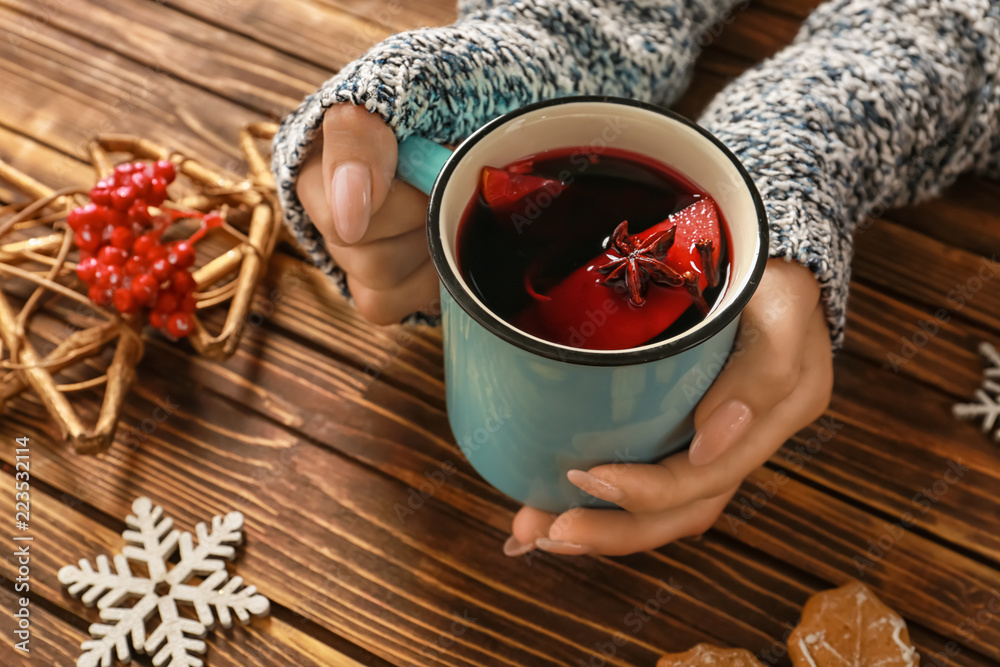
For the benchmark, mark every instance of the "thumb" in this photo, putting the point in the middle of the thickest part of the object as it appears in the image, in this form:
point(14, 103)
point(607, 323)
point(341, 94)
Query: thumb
point(359, 162)
point(765, 364)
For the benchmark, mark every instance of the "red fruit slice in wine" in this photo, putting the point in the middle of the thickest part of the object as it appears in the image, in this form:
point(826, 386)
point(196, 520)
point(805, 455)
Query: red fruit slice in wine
point(524, 166)
point(512, 192)
point(699, 221)
point(582, 311)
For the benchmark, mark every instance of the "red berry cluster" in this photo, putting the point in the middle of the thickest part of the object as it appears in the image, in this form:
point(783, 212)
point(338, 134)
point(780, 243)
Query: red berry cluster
point(122, 258)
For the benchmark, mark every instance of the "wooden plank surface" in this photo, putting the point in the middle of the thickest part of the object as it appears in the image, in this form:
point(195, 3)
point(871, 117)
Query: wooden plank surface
point(411, 473)
point(61, 530)
point(322, 425)
point(63, 90)
point(316, 32)
point(210, 57)
point(53, 640)
point(180, 449)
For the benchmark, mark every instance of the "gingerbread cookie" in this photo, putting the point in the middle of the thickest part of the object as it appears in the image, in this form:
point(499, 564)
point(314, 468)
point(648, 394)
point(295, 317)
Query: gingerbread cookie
point(713, 656)
point(850, 627)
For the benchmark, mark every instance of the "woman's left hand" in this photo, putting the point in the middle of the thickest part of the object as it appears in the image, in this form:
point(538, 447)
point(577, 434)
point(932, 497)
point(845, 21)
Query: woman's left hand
point(778, 380)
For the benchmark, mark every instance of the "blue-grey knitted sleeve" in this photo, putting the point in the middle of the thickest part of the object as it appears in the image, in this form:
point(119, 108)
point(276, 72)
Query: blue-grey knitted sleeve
point(443, 83)
point(466, 7)
point(877, 103)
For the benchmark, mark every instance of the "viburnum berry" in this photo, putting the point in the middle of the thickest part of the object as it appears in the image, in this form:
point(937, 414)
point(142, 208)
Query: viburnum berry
point(144, 244)
point(157, 191)
point(136, 265)
point(140, 183)
point(102, 297)
point(125, 302)
point(145, 288)
point(122, 197)
point(181, 282)
point(123, 261)
point(112, 217)
point(188, 304)
point(86, 268)
point(161, 269)
point(88, 238)
point(121, 237)
point(181, 254)
point(100, 194)
point(112, 255)
point(165, 169)
point(139, 212)
point(109, 276)
point(88, 215)
point(166, 303)
point(180, 324)
point(157, 252)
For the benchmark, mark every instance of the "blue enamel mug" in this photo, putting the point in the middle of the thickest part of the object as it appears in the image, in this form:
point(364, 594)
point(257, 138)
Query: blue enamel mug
point(524, 410)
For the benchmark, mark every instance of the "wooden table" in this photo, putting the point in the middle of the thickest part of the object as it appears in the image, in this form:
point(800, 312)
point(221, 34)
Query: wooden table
point(321, 423)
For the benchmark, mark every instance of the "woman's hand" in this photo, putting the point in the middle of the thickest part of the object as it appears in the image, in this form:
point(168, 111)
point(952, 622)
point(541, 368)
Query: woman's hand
point(373, 225)
point(779, 380)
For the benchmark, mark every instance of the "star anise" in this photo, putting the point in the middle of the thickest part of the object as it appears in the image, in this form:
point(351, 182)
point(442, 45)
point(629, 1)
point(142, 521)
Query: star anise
point(638, 262)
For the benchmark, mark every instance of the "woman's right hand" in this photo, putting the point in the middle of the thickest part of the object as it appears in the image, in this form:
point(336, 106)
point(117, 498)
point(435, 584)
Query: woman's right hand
point(373, 224)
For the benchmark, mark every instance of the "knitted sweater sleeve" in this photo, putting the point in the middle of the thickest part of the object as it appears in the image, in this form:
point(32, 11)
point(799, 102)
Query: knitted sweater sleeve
point(443, 83)
point(877, 103)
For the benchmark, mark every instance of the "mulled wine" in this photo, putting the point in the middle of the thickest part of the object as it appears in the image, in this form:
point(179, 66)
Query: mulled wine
point(598, 250)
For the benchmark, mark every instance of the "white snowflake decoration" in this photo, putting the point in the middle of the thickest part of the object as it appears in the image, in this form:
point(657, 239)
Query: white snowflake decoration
point(152, 542)
point(988, 407)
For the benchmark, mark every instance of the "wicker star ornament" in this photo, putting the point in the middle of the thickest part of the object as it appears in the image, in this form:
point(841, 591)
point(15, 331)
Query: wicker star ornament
point(55, 340)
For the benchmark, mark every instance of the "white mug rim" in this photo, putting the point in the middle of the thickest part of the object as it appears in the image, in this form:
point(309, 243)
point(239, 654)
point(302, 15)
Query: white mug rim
point(459, 291)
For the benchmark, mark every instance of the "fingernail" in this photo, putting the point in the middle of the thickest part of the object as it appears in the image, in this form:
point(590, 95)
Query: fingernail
point(352, 200)
point(596, 486)
point(719, 432)
point(559, 547)
point(514, 548)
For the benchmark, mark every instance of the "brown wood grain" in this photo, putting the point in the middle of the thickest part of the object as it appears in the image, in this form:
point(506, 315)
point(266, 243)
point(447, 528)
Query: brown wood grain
point(337, 557)
point(798, 9)
point(949, 362)
point(908, 340)
point(286, 362)
point(753, 32)
point(293, 370)
point(52, 641)
point(839, 542)
point(68, 90)
point(965, 217)
point(319, 32)
point(64, 535)
point(412, 474)
point(277, 356)
point(32, 157)
point(210, 57)
point(917, 268)
point(884, 430)
point(895, 457)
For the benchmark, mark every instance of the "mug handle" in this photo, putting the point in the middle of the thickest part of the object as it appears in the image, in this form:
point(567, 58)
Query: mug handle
point(420, 161)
